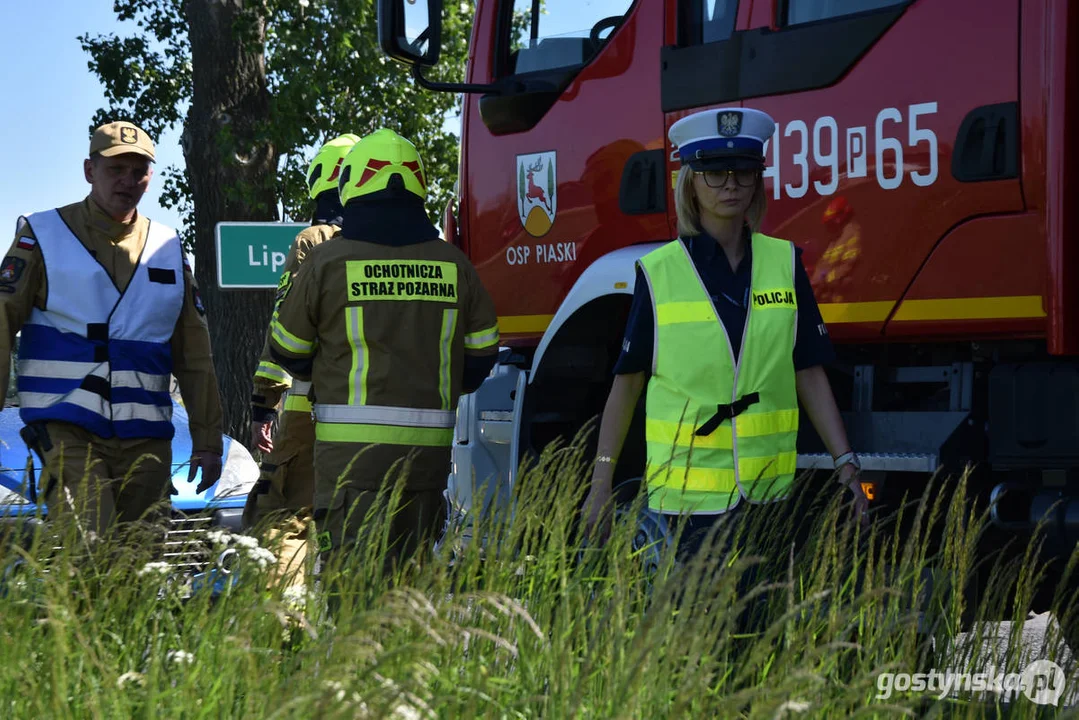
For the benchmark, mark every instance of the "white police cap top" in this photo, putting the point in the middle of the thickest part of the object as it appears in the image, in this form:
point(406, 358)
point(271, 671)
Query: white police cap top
point(722, 133)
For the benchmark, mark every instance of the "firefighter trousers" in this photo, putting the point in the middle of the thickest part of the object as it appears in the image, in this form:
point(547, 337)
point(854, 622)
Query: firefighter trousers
point(97, 482)
point(283, 496)
point(349, 514)
point(286, 485)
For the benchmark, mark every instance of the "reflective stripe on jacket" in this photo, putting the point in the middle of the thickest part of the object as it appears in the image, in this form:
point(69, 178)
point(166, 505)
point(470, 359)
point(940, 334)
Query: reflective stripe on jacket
point(296, 398)
point(384, 424)
point(97, 357)
point(718, 429)
point(386, 330)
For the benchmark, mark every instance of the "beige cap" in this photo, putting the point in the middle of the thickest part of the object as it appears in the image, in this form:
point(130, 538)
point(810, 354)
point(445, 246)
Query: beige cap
point(121, 137)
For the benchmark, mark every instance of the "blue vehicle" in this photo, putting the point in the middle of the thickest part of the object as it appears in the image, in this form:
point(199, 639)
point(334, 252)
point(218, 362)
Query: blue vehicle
point(220, 506)
point(223, 501)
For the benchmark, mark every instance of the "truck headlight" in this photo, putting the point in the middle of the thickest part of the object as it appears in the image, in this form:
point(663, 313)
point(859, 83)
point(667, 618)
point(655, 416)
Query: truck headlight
point(11, 497)
point(239, 472)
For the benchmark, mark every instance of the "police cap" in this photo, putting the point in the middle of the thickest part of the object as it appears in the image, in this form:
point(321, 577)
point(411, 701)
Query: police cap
point(722, 138)
point(118, 138)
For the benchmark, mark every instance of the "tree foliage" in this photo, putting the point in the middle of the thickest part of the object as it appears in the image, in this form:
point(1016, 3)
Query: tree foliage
point(327, 76)
point(259, 85)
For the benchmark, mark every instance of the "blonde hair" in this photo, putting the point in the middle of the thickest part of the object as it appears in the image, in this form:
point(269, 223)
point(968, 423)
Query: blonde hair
point(689, 211)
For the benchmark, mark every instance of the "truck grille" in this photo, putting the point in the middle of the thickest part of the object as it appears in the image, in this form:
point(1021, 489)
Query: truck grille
point(184, 548)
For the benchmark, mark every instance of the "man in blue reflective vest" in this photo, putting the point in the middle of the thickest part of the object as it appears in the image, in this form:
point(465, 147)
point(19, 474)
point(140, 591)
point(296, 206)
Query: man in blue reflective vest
point(108, 311)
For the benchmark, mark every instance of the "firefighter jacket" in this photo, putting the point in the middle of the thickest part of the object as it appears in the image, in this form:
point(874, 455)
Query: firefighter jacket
point(271, 381)
point(383, 331)
point(718, 429)
point(108, 312)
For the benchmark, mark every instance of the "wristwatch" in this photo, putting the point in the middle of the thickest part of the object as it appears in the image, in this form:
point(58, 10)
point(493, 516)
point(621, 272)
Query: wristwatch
point(848, 458)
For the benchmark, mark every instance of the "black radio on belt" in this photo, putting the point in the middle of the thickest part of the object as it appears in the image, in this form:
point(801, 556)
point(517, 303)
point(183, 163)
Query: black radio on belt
point(37, 440)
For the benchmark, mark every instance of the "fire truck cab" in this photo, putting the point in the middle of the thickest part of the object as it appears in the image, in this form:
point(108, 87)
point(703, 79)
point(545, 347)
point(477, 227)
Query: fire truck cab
point(923, 158)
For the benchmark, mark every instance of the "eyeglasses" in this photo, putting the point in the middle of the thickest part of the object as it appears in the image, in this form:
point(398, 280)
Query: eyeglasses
point(718, 178)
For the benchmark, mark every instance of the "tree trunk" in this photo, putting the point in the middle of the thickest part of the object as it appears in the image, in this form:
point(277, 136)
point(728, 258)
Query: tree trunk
point(231, 170)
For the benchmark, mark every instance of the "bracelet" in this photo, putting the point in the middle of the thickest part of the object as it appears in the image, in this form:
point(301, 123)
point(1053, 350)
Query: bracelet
point(848, 458)
point(843, 459)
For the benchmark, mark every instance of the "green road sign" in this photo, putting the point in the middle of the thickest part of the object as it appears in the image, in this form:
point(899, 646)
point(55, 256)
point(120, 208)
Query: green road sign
point(252, 254)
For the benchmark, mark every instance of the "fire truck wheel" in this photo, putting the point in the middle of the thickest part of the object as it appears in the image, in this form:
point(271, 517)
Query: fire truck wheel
point(652, 537)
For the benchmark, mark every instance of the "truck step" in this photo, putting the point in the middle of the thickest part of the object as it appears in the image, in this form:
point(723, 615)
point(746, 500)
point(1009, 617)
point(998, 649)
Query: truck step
point(890, 462)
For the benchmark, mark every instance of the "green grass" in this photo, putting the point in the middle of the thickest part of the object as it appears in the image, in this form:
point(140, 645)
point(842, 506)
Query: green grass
point(532, 623)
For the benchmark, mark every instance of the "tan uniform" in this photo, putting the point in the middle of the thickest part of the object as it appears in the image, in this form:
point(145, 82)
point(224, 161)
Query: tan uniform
point(383, 331)
point(109, 478)
point(288, 475)
point(287, 479)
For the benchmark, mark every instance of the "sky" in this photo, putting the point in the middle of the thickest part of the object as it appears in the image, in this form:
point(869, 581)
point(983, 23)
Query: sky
point(50, 97)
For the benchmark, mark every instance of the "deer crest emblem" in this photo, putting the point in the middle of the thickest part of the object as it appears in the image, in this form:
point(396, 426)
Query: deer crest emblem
point(537, 192)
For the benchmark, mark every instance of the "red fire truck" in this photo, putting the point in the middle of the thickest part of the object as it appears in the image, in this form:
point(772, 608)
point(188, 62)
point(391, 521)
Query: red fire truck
point(923, 158)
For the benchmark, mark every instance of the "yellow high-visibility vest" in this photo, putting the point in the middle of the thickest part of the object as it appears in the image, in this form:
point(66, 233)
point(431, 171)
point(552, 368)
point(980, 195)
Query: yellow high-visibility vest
point(700, 459)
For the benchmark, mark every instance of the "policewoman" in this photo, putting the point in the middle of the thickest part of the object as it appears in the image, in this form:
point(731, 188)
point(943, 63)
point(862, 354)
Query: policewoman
point(391, 324)
point(285, 491)
point(724, 337)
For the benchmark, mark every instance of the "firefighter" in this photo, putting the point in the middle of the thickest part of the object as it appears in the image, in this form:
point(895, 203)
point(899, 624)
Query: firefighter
point(834, 272)
point(393, 325)
point(107, 308)
point(721, 402)
point(286, 486)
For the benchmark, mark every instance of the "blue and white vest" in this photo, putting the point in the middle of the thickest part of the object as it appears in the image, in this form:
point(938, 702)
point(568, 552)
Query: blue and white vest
point(97, 357)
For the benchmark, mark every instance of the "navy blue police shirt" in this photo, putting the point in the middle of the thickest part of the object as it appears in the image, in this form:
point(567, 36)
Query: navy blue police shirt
point(730, 294)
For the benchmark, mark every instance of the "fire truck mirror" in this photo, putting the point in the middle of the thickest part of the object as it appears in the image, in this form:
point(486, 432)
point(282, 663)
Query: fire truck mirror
point(410, 31)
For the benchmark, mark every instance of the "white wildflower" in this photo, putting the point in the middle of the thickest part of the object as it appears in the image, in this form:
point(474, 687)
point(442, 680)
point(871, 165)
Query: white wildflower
point(245, 541)
point(337, 687)
point(219, 537)
point(223, 537)
point(261, 557)
point(155, 568)
point(294, 596)
point(406, 712)
point(179, 657)
point(797, 706)
point(129, 677)
point(305, 3)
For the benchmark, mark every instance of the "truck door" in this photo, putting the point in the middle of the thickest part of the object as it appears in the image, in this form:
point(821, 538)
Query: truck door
point(570, 164)
point(894, 160)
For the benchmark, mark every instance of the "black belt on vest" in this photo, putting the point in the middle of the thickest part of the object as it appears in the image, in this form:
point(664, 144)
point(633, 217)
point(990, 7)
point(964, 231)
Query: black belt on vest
point(726, 412)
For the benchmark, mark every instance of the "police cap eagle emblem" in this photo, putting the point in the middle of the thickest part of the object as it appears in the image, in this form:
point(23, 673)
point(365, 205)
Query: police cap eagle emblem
point(129, 135)
point(730, 123)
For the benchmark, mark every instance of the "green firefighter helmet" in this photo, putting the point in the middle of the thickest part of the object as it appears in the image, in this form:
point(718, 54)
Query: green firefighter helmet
point(325, 168)
point(375, 159)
